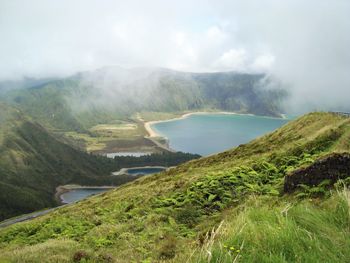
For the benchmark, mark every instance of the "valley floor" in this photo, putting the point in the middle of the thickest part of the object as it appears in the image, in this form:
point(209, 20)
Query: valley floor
point(132, 135)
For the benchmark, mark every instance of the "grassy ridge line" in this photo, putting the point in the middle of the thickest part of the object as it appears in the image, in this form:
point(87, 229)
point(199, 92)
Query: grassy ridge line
point(33, 162)
point(167, 216)
point(74, 105)
point(77, 104)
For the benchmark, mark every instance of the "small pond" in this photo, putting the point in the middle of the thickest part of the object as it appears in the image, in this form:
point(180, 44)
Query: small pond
point(136, 171)
point(145, 170)
point(134, 154)
point(78, 194)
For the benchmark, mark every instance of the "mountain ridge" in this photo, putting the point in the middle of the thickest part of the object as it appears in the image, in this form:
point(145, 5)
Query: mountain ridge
point(34, 162)
point(89, 98)
point(176, 215)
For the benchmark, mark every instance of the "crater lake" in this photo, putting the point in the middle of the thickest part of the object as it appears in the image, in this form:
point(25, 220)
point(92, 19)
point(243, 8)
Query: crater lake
point(209, 133)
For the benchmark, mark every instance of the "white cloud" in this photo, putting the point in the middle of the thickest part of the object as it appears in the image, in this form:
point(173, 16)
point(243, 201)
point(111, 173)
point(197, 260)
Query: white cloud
point(214, 33)
point(303, 43)
point(234, 59)
point(263, 63)
point(121, 32)
point(180, 38)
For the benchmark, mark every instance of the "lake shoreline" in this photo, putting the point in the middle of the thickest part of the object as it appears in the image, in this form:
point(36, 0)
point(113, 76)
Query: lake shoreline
point(153, 133)
point(259, 122)
point(124, 171)
point(60, 190)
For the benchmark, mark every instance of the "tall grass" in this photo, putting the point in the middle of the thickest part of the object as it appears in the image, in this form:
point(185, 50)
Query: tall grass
point(175, 216)
point(310, 231)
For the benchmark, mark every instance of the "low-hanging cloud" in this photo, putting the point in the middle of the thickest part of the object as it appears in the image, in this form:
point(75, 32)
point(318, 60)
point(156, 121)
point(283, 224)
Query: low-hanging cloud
point(304, 44)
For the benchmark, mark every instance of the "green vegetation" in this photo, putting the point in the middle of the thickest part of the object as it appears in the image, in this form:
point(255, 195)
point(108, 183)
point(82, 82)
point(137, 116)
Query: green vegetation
point(91, 110)
point(156, 116)
point(264, 230)
point(102, 137)
point(229, 207)
point(239, 93)
point(33, 162)
point(51, 105)
point(166, 159)
point(86, 141)
point(80, 102)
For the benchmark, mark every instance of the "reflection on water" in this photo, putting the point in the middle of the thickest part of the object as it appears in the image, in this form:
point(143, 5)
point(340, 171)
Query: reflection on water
point(134, 154)
point(212, 133)
point(81, 193)
point(146, 170)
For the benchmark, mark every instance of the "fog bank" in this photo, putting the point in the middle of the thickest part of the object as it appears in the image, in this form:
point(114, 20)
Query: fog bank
point(303, 44)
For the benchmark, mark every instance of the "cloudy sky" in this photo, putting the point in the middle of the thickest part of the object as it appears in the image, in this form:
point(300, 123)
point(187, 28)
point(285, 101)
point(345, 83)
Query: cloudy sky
point(304, 43)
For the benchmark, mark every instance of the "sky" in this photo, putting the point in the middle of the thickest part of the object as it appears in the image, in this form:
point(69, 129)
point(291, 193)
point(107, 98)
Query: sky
point(305, 44)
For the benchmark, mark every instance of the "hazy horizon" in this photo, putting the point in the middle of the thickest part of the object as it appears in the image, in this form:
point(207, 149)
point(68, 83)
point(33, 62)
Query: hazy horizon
point(304, 45)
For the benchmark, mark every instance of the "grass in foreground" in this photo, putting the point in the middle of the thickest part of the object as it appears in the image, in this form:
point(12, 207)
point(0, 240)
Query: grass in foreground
point(262, 229)
point(271, 230)
point(170, 216)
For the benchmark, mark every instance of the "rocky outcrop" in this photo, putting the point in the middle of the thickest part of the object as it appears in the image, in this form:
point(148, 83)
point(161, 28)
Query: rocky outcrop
point(333, 167)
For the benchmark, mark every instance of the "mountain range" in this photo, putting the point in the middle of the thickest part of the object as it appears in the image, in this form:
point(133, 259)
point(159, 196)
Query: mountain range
point(36, 158)
point(33, 162)
point(253, 203)
point(282, 197)
point(89, 98)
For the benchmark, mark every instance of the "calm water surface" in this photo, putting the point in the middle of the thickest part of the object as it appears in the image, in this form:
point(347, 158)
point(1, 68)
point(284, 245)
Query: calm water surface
point(79, 194)
point(134, 154)
point(212, 133)
point(145, 170)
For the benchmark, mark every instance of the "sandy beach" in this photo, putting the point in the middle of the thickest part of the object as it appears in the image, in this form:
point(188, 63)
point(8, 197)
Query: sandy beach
point(154, 136)
point(152, 133)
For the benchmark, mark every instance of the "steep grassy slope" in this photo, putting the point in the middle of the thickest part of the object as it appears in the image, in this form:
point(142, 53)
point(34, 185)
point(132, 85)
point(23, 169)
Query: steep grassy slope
point(82, 101)
point(22, 83)
point(228, 207)
point(33, 163)
point(49, 104)
point(240, 93)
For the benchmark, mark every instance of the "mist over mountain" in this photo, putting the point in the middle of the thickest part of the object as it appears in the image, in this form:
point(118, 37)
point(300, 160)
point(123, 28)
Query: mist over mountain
point(90, 98)
point(101, 98)
point(165, 89)
point(303, 45)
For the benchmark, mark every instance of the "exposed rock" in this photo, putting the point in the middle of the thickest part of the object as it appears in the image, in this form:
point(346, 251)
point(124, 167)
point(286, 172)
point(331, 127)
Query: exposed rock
point(333, 167)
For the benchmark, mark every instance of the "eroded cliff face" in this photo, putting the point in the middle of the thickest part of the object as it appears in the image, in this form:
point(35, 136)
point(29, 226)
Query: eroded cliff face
point(332, 167)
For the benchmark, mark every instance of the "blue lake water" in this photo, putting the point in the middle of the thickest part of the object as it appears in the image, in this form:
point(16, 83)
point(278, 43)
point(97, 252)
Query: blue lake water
point(212, 133)
point(134, 154)
point(79, 194)
point(145, 170)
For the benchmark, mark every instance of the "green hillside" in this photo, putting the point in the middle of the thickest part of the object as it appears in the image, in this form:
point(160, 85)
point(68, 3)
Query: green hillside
point(49, 104)
point(229, 207)
point(77, 103)
point(33, 163)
